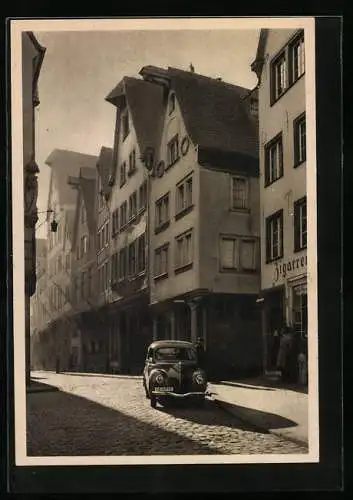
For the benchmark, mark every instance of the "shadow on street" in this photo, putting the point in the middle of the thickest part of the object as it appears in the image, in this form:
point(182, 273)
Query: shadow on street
point(60, 424)
point(260, 419)
point(204, 415)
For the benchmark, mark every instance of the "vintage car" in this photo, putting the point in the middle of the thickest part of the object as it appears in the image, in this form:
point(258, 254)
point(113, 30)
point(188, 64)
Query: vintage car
point(172, 372)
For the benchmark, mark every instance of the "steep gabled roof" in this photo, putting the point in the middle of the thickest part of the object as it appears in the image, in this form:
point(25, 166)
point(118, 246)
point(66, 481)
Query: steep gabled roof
point(65, 163)
point(145, 102)
point(104, 167)
point(215, 113)
point(84, 187)
point(88, 189)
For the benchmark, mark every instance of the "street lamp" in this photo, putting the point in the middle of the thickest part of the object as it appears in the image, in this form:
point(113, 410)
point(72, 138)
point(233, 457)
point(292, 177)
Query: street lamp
point(54, 224)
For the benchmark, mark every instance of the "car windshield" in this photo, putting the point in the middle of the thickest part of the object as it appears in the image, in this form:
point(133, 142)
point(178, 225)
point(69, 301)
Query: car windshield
point(175, 353)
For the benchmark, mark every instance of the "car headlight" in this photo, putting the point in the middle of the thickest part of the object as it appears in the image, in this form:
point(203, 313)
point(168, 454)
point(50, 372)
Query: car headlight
point(159, 378)
point(199, 378)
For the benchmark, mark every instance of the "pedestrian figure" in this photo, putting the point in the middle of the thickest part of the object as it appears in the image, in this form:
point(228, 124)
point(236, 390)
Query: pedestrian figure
point(284, 354)
point(200, 351)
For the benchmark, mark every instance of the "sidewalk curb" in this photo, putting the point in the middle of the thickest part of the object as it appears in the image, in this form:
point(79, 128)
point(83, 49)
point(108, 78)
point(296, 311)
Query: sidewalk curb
point(84, 374)
point(236, 412)
point(48, 388)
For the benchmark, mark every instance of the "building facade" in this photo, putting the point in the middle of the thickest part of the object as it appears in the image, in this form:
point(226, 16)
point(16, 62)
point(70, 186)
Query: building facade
point(84, 347)
point(204, 220)
point(32, 59)
point(62, 202)
point(280, 67)
point(138, 110)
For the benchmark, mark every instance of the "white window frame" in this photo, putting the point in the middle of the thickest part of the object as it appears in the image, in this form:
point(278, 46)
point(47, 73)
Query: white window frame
point(274, 160)
point(184, 259)
point(243, 204)
point(162, 211)
point(161, 255)
point(182, 204)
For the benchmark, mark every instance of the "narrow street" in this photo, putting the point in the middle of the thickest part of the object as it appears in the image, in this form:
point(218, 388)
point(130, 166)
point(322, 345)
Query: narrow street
point(111, 416)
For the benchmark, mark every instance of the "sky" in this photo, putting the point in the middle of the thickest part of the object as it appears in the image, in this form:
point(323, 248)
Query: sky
point(80, 68)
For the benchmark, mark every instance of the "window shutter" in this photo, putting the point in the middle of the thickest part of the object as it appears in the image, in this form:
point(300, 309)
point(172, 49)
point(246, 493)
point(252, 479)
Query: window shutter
point(227, 253)
point(247, 255)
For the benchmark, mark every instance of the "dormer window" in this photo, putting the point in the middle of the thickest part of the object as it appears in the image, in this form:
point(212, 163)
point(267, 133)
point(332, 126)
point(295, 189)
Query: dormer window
point(125, 124)
point(171, 103)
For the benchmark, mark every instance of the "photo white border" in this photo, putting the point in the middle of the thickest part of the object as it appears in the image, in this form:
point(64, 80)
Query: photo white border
point(16, 28)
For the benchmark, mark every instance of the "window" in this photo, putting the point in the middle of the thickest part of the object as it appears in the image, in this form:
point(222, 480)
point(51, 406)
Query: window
point(239, 193)
point(162, 211)
point(274, 236)
point(123, 214)
point(122, 173)
point(125, 124)
point(279, 76)
point(132, 259)
point(122, 263)
point(300, 225)
point(297, 58)
point(143, 196)
point(115, 222)
point(273, 160)
point(287, 67)
point(132, 205)
point(141, 253)
point(184, 195)
point(229, 253)
point(238, 254)
point(171, 103)
point(184, 250)
point(67, 293)
point(299, 130)
point(60, 264)
point(161, 261)
point(84, 245)
point(132, 162)
point(173, 150)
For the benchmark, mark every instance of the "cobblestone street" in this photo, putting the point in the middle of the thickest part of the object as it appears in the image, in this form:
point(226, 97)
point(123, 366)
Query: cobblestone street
point(111, 416)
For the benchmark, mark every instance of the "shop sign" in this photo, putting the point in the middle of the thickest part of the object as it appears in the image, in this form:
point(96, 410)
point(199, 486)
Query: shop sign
point(284, 269)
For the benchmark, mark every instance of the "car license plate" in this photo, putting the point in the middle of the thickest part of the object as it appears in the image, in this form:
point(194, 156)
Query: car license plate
point(163, 389)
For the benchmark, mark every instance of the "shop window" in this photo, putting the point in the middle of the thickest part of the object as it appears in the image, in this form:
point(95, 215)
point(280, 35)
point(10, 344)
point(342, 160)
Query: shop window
point(300, 310)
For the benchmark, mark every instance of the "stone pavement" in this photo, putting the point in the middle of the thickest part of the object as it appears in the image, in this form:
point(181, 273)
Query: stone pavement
point(100, 415)
point(279, 410)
